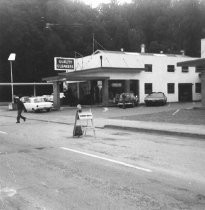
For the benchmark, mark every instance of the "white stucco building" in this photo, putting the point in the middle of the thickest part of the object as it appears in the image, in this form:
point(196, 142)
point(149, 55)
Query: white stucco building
point(156, 73)
point(112, 72)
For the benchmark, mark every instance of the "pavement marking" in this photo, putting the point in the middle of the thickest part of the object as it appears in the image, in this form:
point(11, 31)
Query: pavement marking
point(107, 159)
point(176, 111)
point(105, 109)
point(3, 132)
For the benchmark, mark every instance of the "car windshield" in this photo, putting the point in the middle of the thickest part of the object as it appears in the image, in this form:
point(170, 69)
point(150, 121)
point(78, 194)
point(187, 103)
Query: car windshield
point(37, 100)
point(127, 95)
point(156, 95)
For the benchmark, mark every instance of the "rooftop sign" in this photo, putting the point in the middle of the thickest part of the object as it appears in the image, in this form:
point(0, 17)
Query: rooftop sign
point(63, 64)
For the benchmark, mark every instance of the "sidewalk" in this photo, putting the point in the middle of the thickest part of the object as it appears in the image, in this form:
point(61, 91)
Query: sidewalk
point(195, 131)
point(101, 120)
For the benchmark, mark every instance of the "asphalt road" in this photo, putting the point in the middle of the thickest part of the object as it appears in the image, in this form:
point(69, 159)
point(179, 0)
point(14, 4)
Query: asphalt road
point(43, 167)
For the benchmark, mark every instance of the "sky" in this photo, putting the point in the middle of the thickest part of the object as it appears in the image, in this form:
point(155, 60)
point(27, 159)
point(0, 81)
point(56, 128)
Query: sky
point(95, 3)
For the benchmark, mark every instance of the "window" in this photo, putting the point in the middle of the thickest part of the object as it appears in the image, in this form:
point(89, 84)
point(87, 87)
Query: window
point(170, 68)
point(185, 69)
point(198, 87)
point(148, 67)
point(148, 88)
point(170, 88)
point(199, 68)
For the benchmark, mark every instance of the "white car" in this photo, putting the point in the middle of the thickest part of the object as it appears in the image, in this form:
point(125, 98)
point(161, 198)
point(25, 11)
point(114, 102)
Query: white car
point(50, 97)
point(38, 104)
point(24, 99)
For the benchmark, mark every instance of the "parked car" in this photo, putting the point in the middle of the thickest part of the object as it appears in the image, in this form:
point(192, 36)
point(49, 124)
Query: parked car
point(129, 99)
point(155, 98)
point(24, 98)
point(38, 104)
point(50, 97)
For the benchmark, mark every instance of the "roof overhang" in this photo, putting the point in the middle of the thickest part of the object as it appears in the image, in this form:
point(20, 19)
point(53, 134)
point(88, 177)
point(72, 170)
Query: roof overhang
point(67, 77)
point(91, 74)
point(196, 62)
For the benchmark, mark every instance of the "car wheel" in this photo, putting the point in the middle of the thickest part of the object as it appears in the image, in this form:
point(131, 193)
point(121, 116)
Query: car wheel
point(133, 104)
point(48, 110)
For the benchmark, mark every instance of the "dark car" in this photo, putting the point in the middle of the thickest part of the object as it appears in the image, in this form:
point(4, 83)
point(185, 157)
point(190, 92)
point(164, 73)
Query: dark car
point(155, 98)
point(129, 99)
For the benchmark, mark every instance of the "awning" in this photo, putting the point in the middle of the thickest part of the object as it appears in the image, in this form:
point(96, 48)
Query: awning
point(101, 73)
point(67, 77)
point(198, 62)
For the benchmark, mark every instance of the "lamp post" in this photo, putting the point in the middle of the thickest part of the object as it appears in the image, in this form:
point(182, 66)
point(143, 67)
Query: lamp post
point(11, 58)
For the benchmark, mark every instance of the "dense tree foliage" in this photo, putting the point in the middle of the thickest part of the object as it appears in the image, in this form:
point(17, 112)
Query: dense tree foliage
point(39, 30)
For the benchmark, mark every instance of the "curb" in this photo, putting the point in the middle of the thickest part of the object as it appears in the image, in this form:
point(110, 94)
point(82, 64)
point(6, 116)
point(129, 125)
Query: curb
point(133, 129)
point(161, 132)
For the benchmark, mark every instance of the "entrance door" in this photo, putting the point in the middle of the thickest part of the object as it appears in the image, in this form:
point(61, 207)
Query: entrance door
point(185, 92)
point(134, 87)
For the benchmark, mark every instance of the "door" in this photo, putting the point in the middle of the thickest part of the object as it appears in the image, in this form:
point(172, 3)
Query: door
point(134, 87)
point(185, 92)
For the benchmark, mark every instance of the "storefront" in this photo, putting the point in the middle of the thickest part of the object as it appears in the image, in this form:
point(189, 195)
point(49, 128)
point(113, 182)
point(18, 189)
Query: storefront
point(98, 78)
point(96, 84)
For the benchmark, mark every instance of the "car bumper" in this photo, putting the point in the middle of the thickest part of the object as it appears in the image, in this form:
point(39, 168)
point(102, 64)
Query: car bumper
point(155, 102)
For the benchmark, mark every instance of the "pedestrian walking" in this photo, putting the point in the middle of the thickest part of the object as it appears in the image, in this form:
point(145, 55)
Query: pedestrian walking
point(20, 108)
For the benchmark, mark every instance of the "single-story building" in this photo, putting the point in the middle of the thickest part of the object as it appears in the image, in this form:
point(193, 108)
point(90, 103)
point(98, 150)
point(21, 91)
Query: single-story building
point(107, 73)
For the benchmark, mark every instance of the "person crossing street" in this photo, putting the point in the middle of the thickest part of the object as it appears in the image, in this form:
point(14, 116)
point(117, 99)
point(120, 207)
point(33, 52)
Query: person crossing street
point(20, 108)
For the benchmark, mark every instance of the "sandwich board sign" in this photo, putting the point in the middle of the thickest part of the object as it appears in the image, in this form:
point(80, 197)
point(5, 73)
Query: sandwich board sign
point(64, 64)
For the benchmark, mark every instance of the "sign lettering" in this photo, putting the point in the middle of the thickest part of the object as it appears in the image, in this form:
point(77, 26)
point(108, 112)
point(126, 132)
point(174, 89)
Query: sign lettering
point(63, 64)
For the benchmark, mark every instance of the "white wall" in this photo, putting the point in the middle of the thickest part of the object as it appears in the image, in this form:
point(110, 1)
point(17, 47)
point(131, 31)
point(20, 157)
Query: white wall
point(159, 77)
point(203, 48)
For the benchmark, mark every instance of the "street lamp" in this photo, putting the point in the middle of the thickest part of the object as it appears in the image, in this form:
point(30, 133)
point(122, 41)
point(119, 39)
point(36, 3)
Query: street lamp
point(11, 58)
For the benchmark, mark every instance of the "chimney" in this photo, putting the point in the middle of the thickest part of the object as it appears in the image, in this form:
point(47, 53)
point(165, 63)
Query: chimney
point(203, 48)
point(182, 52)
point(142, 48)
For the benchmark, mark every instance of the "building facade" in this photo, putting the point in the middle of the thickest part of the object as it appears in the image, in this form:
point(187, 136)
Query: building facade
point(104, 74)
point(158, 73)
point(199, 64)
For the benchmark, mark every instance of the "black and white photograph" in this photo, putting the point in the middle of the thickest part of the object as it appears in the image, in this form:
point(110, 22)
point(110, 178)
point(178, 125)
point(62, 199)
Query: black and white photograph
point(102, 104)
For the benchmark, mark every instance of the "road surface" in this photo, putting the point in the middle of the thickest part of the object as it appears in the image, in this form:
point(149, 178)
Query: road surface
point(43, 167)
